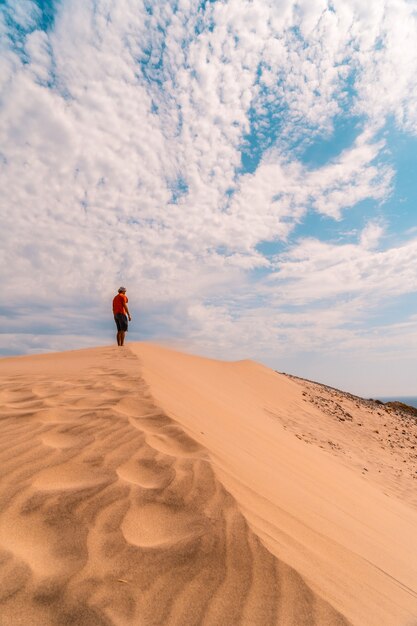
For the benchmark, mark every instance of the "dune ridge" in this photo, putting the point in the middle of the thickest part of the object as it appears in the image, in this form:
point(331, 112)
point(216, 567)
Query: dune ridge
point(133, 491)
point(297, 473)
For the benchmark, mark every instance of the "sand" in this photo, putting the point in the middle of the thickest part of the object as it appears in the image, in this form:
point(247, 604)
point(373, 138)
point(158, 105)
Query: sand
point(146, 486)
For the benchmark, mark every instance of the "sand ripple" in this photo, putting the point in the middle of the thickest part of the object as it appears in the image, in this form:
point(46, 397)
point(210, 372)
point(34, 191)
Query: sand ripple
point(111, 514)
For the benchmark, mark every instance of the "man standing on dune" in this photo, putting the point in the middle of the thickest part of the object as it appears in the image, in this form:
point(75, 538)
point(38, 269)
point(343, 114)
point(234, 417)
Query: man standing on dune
point(121, 314)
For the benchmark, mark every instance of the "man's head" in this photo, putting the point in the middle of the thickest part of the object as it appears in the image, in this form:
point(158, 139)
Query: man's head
point(122, 289)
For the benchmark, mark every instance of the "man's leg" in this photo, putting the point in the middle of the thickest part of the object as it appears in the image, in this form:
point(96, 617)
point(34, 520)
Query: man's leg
point(122, 338)
point(119, 339)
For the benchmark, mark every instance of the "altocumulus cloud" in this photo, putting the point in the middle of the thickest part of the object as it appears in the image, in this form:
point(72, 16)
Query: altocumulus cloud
point(167, 145)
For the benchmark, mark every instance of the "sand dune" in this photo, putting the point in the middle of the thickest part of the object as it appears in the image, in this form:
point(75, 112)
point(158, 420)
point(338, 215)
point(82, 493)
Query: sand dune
point(145, 486)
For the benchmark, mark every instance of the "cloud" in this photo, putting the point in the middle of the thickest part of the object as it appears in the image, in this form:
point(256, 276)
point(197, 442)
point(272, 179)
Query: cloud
point(160, 144)
point(314, 270)
point(386, 78)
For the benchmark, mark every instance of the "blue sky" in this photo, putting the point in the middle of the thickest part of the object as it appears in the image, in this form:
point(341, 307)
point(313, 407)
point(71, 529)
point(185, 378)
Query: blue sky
point(246, 168)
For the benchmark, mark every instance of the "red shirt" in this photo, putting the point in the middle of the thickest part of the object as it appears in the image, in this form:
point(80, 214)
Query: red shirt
point(119, 302)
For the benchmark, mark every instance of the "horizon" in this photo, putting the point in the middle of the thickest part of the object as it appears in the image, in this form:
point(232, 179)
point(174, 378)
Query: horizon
point(245, 168)
point(183, 349)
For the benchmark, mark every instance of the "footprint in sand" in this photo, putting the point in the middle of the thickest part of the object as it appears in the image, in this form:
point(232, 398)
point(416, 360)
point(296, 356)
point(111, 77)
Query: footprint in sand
point(150, 422)
point(69, 476)
point(129, 405)
point(146, 473)
point(175, 442)
point(156, 525)
point(61, 440)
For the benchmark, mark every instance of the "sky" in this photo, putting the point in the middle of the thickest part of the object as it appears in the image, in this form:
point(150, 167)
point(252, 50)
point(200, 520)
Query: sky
point(246, 168)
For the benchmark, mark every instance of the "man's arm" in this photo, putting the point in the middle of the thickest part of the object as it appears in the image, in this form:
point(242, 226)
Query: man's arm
point(127, 311)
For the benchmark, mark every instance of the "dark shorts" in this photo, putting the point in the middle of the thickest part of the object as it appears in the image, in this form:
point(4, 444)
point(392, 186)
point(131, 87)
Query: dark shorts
point(121, 322)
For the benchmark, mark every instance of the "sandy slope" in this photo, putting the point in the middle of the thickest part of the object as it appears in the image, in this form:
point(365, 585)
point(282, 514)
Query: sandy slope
point(144, 486)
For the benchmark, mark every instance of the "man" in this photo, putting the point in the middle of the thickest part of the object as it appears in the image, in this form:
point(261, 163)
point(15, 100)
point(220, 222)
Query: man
point(120, 311)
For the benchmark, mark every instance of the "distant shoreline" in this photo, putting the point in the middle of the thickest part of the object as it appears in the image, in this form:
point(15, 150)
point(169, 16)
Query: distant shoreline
point(410, 400)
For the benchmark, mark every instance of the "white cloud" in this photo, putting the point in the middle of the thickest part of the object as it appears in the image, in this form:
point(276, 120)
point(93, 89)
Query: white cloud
point(314, 270)
point(371, 235)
